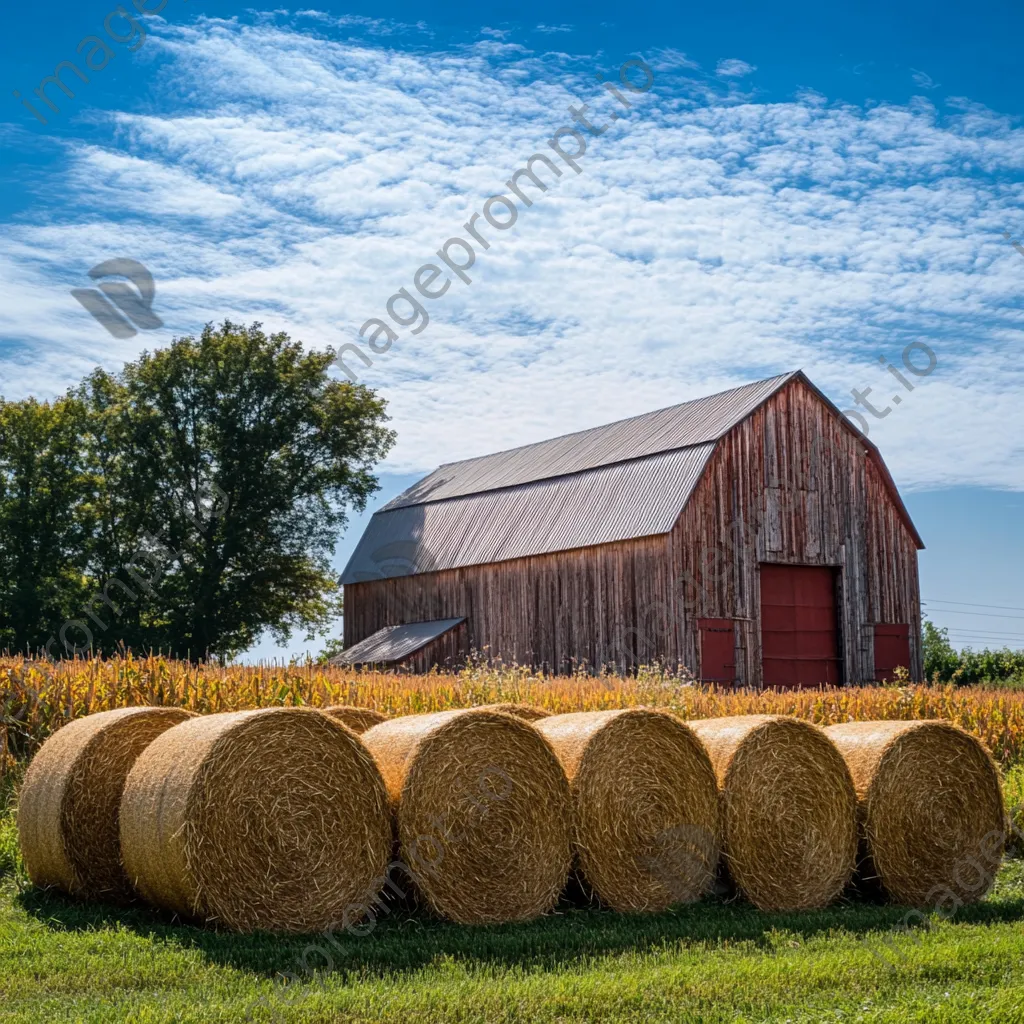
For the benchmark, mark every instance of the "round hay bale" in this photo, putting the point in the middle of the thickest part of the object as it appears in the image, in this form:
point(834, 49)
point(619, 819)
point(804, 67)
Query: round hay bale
point(70, 801)
point(483, 812)
point(527, 712)
point(357, 719)
point(931, 809)
point(789, 812)
point(275, 819)
point(646, 805)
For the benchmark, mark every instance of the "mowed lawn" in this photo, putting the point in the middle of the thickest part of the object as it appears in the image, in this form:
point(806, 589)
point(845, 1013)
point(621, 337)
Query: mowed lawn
point(715, 961)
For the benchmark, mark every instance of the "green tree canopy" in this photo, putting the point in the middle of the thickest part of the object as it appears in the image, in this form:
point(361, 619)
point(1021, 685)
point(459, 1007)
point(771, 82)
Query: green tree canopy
point(208, 484)
point(45, 518)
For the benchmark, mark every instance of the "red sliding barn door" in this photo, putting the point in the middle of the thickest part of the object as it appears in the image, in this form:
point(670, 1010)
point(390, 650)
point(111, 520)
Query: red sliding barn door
point(799, 627)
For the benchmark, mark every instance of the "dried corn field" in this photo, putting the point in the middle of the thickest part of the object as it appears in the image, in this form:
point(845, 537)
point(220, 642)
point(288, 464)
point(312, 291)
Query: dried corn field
point(37, 697)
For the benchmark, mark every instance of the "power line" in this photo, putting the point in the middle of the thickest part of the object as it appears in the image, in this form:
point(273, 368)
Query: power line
point(981, 632)
point(980, 646)
point(983, 615)
point(995, 646)
point(981, 628)
point(975, 604)
point(969, 604)
point(988, 637)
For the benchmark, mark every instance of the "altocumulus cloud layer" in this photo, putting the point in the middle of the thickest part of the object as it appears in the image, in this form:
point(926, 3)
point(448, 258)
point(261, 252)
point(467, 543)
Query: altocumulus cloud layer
point(295, 173)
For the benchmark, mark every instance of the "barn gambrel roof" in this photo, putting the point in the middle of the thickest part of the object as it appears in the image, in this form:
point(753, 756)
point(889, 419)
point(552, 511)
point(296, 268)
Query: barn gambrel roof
point(616, 482)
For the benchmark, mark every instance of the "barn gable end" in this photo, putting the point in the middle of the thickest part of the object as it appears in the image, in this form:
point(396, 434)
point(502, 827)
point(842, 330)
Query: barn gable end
point(794, 484)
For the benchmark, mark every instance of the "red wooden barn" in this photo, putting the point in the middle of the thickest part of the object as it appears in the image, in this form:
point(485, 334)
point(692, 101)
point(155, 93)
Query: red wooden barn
point(753, 536)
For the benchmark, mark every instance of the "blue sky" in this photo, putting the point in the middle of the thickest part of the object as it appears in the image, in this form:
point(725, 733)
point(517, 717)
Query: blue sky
point(803, 185)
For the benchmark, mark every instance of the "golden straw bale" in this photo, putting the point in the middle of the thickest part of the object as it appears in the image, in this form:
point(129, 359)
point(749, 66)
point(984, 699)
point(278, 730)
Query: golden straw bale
point(789, 811)
point(646, 805)
point(931, 809)
point(273, 819)
point(357, 719)
point(483, 812)
point(69, 803)
point(527, 712)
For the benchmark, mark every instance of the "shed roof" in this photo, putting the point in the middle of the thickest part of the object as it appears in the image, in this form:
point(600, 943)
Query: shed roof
point(394, 643)
point(616, 482)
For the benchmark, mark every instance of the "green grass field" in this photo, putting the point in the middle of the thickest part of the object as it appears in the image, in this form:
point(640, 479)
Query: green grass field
point(716, 961)
point(61, 960)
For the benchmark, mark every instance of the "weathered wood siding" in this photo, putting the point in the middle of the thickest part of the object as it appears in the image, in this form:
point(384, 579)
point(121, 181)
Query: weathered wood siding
point(791, 484)
point(553, 611)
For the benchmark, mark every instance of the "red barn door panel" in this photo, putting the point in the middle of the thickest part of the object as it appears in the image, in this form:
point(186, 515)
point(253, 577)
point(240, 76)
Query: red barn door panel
point(799, 627)
point(717, 650)
point(892, 649)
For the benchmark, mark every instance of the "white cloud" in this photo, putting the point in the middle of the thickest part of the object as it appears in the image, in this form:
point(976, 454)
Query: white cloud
point(730, 67)
point(668, 57)
point(710, 240)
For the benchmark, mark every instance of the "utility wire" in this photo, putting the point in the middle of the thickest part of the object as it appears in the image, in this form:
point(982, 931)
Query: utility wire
point(987, 637)
point(969, 604)
point(983, 615)
point(983, 632)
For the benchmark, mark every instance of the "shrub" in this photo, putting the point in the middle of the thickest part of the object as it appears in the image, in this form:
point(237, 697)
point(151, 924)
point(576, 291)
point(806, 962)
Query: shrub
point(944, 664)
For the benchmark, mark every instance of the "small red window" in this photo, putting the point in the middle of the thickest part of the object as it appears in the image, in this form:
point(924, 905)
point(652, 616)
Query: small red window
point(892, 650)
point(717, 650)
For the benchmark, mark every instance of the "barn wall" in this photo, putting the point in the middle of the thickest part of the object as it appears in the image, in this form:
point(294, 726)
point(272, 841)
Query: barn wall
point(792, 485)
point(894, 588)
point(552, 610)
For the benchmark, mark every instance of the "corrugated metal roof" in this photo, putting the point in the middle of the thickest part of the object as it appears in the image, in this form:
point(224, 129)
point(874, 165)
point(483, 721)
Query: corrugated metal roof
point(679, 426)
point(618, 482)
point(640, 498)
point(393, 643)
